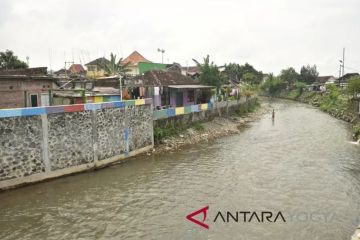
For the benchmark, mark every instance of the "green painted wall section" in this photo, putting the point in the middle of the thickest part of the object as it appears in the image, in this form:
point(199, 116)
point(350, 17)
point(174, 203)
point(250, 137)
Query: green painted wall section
point(144, 67)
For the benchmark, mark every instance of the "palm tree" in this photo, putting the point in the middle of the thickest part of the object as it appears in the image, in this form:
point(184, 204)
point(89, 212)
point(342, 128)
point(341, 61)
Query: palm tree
point(209, 73)
point(116, 68)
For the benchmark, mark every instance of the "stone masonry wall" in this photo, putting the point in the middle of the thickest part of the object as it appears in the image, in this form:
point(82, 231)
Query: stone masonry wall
point(47, 141)
point(70, 139)
point(140, 130)
point(110, 125)
point(20, 147)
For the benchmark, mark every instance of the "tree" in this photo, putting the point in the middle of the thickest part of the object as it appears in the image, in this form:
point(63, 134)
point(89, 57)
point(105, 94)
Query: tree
point(354, 86)
point(246, 72)
point(232, 72)
point(273, 85)
point(116, 68)
point(250, 77)
point(209, 73)
point(289, 75)
point(9, 61)
point(308, 74)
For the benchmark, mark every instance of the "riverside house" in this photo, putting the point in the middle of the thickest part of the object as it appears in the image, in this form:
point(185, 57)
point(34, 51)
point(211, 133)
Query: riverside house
point(96, 68)
point(29, 87)
point(132, 61)
point(168, 89)
point(321, 82)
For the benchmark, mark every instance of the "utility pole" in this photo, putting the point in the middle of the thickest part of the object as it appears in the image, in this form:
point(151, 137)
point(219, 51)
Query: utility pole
point(121, 96)
point(162, 54)
point(342, 68)
point(343, 63)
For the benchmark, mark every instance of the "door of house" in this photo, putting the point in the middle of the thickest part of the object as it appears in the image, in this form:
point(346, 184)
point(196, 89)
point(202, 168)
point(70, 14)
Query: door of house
point(179, 98)
point(34, 100)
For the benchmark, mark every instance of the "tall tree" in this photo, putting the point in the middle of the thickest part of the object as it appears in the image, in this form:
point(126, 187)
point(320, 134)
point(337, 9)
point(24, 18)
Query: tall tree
point(246, 73)
point(209, 73)
point(9, 61)
point(289, 75)
point(308, 74)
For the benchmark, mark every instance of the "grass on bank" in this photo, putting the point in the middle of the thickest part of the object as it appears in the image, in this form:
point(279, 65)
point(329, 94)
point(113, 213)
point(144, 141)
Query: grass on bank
point(335, 101)
point(161, 133)
point(243, 111)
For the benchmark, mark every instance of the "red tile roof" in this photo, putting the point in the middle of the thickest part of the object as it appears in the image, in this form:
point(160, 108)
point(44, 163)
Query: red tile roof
point(76, 68)
point(134, 59)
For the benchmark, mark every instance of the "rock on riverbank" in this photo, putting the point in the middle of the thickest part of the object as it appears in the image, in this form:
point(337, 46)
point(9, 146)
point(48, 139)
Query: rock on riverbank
point(218, 127)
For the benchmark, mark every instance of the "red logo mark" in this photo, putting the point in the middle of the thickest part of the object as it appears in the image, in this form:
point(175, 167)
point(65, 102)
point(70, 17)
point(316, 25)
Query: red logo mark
point(202, 224)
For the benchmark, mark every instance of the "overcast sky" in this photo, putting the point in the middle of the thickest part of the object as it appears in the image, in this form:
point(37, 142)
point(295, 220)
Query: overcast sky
point(269, 34)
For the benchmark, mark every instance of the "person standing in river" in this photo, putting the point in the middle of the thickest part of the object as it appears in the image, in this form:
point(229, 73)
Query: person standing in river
point(273, 114)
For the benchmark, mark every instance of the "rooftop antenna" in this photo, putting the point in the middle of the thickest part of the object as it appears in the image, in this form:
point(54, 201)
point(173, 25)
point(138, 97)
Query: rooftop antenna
point(65, 67)
point(50, 64)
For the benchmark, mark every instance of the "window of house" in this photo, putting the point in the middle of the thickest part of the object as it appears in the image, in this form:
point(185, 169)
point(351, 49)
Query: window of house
point(92, 68)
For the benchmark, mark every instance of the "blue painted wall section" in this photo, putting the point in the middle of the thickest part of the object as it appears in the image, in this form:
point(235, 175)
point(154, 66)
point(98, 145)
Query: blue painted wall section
point(126, 139)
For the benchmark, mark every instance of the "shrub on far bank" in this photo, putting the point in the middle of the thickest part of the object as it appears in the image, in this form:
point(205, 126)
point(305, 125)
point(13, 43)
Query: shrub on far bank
point(354, 86)
point(356, 130)
point(273, 85)
point(333, 99)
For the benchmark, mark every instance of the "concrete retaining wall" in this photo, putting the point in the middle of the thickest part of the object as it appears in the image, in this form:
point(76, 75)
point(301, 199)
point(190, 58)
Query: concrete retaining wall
point(211, 111)
point(47, 142)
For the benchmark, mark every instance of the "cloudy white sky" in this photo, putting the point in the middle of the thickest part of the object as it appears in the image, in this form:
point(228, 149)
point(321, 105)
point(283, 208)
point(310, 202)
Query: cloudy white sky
point(269, 34)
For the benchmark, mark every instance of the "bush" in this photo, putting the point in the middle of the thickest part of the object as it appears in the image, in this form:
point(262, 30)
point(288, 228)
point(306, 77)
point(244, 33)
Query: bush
point(198, 126)
point(356, 129)
point(273, 85)
point(354, 86)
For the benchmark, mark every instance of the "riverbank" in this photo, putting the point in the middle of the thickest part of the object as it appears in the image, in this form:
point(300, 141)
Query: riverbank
point(210, 130)
point(333, 102)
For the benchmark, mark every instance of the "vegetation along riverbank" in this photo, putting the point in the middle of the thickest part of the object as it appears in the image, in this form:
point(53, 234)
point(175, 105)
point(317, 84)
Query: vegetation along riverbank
point(180, 135)
point(340, 101)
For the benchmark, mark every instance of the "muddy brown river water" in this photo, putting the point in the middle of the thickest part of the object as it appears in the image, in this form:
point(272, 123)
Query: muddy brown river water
point(302, 164)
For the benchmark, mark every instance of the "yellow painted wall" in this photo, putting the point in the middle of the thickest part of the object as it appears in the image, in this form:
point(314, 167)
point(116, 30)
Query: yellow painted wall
point(98, 99)
point(179, 110)
point(95, 74)
point(204, 106)
point(139, 101)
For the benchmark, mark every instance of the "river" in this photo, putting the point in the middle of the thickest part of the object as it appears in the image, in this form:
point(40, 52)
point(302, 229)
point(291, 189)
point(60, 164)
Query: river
point(301, 164)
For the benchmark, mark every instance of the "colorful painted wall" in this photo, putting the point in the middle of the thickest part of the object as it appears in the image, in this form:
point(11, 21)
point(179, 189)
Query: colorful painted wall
point(205, 111)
